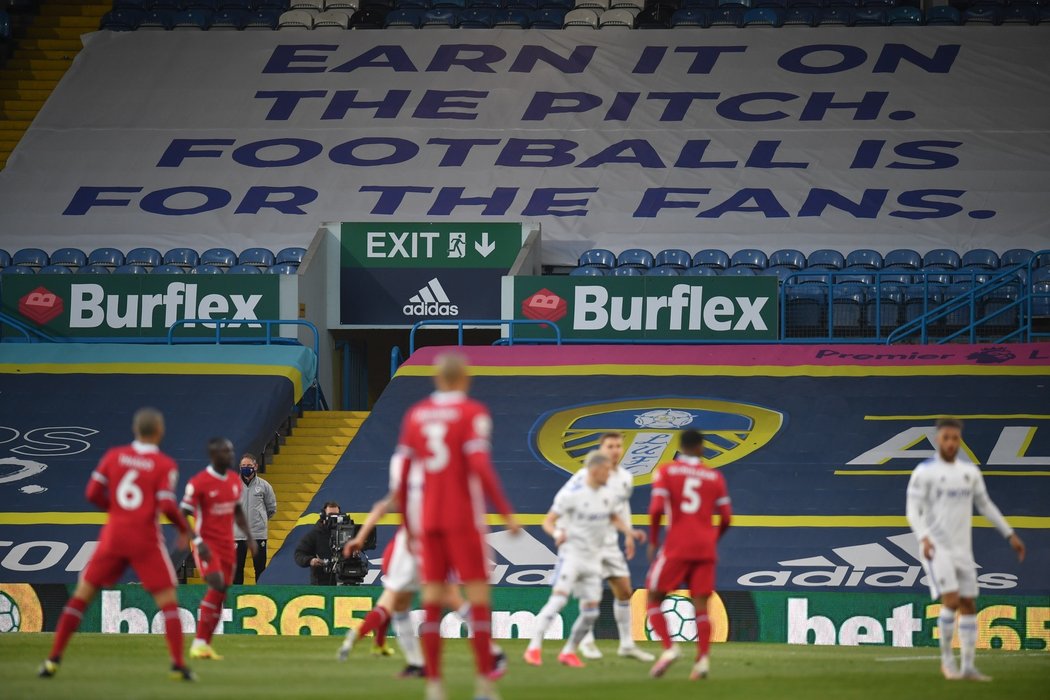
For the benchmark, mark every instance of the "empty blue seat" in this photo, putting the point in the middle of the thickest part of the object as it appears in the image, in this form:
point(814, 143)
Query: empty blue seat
point(675, 257)
point(107, 257)
point(1042, 260)
point(864, 258)
point(1016, 256)
point(982, 15)
point(440, 18)
point(763, 16)
point(139, 5)
point(293, 256)
point(847, 308)
point(56, 270)
point(788, 257)
point(258, 257)
point(895, 277)
point(31, 257)
point(943, 15)
point(146, 257)
point(711, 257)
point(205, 269)
point(5, 258)
point(691, 17)
point(69, 257)
point(942, 257)
point(130, 270)
point(599, 257)
point(933, 275)
point(18, 270)
point(587, 271)
point(239, 5)
point(477, 18)
point(283, 269)
point(782, 272)
point(94, 270)
point(229, 19)
point(801, 17)
point(154, 19)
point(996, 311)
point(245, 270)
point(1040, 299)
point(868, 17)
point(515, 18)
point(812, 276)
point(700, 272)
point(663, 271)
point(903, 257)
point(263, 19)
point(1041, 275)
point(959, 316)
point(371, 18)
point(806, 308)
point(183, 257)
point(548, 18)
point(738, 271)
point(904, 16)
point(411, 18)
point(169, 270)
point(635, 257)
point(981, 257)
point(124, 20)
point(750, 257)
point(972, 274)
point(219, 257)
point(191, 19)
point(163, 5)
point(626, 271)
point(916, 296)
point(883, 309)
point(727, 17)
point(831, 259)
point(654, 17)
point(854, 274)
point(835, 16)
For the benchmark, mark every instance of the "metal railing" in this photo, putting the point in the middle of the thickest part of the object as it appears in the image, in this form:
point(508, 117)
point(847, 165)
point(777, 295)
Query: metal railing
point(482, 323)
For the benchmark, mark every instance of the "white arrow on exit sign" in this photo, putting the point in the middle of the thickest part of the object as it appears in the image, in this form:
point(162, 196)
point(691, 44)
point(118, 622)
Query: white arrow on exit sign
point(485, 247)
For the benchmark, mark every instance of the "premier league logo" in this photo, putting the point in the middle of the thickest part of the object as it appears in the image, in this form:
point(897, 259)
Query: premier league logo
point(651, 428)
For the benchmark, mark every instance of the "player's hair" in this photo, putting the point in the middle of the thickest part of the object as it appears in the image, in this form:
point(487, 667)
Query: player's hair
point(450, 366)
point(596, 459)
point(611, 435)
point(216, 442)
point(949, 423)
point(329, 504)
point(249, 455)
point(147, 422)
point(691, 441)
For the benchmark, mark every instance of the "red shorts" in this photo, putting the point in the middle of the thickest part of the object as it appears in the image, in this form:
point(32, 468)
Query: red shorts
point(150, 562)
point(462, 553)
point(666, 575)
point(223, 562)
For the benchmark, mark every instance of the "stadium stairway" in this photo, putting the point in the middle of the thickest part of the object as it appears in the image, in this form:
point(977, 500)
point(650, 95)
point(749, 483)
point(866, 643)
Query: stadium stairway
point(45, 47)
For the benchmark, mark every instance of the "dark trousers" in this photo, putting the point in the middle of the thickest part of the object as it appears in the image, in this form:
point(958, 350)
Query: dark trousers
point(259, 560)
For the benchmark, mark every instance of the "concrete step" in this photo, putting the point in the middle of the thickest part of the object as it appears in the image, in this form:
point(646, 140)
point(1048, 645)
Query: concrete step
point(16, 105)
point(7, 83)
point(314, 450)
point(38, 31)
point(344, 433)
point(26, 94)
point(304, 479)
point(335, 414)
point(297, 440)
point(305, 470)
point(84, 22)
point(66, 45)
point(328, 423)
point(7, 113)
point(66, 9)
point(31, 58)
point(286, 460)
point(12, 125)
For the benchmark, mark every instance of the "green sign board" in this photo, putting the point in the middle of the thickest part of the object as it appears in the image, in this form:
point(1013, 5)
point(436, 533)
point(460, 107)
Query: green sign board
point(650, 308)
point(430, 245)
point(139, 306)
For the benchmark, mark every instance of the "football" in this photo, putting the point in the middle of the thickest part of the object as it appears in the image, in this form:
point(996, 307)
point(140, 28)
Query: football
point(10, 618)
point(681, 619)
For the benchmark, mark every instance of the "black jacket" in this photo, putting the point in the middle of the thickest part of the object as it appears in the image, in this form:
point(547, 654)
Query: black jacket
point(316, 543)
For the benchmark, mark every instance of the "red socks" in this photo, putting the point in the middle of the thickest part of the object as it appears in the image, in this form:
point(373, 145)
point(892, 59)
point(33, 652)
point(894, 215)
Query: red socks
point(209, 614)
point(173, 632)
point(481, 625)
point(659, 625)
point(703, 634)
point(375, 621)
point(430, 633)
point(381, 631)
point(67, 625)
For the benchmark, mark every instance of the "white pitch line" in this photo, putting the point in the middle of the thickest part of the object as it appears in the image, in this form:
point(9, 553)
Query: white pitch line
point(890, 659)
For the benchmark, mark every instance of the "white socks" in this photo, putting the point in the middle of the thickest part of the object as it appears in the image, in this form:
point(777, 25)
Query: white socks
point(946, 623)
point(555, 604)
point(407, 639)
point(622, 615)
point(968, 640)
point(583, 625)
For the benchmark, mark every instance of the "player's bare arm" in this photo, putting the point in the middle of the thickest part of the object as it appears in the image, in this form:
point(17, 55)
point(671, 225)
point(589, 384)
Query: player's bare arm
point(198, 542)
point(379, 509)
point(550, 526)
point(628, 532)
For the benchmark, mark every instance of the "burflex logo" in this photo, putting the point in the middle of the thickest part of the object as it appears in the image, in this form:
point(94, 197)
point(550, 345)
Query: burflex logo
point(41, 305)
point(544, 305)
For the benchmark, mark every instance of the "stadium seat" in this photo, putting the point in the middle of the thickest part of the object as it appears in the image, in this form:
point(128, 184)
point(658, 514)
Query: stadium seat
point(169, 270)
point(369, 18)
point(525, 5)
point(347, 6)
point(485, 4)
point(293, 256)
point(835, 16)
point(738, 271)
point(868, 17)
point(548, 18)
point(711, 257)
point(663, 271)
point(477, 18)
point(943, 15)
point(1041, 275)
point(581, 19)
point(801, 17)
point(727, 17)
point(107, 257)
point(982, 257)
point(135, 5)
point(5, 258)
point(903, 257)
point(763, 17)
point(750, 257)
point(813, 276)
point(127, 269)
point(870, 259)
point(895, 277)
point(691, 17)
point(782, 272)
point(971, 274)
point(256, 257)
point(170, 6)
point(633, 5)
point(155, 20)
point(675, 257)
point(959, 316)
point(1040, 299)
point(883, 309)
point(654, 17)
point(204, 269)
point(831, 259)
point(262, 19)
point(94, 270)
point(635, 257)
point(332, 19)
point(55, 270)
point(805, 309)
point(599, 257)
point(943, 258)
point(124, 20)
point(915, 295)
point(513, 19)
point(296, 19)
point(439, 18)
point(788, 257)
point(192, 19)
point(626, 272)
point(904, 16)
point(31, 257)
point(983, 14)
point(235, 5)
point(69, 257)
point(1016, 256)
point(587, 271)
point(146, 257)
point(847, 308)
point(616, 19)
point(183, 257)
point(311, 6)
point(854, 274)
point(700, 272)
point(219, 257)
point(244, 270)
point(275, 5)
point(283, 269)
point(18, 270)
point(209, 5)
point(934, 275)
point(229, 20)
point(1042, 260)
point(404, 19)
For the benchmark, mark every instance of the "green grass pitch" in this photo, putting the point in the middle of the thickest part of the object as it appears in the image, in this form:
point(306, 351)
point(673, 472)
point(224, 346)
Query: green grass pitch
point(109, 667)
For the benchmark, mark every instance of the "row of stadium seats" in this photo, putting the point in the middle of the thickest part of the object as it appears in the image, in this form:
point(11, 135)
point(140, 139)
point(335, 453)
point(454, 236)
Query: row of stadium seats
point(140, 260)
point(282, 269)
point(655, 17)
point(353, 5)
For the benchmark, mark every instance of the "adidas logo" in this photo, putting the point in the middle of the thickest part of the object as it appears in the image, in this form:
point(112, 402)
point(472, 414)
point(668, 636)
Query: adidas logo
point(431, 300)
point(872, 565)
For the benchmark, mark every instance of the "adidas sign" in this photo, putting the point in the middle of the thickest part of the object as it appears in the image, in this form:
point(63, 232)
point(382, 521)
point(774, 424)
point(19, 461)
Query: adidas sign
point(873, 565)
point(431, 300)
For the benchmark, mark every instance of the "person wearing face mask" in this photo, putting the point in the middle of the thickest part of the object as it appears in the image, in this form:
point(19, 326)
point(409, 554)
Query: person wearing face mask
point(259, 504)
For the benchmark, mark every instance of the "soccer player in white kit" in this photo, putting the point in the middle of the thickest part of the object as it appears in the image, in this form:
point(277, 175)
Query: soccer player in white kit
point(941, 495)
point(579, 521)
point(614, 564)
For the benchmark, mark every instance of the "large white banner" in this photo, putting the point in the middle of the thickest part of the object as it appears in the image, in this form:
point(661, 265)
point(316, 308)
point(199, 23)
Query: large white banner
point(842, 138)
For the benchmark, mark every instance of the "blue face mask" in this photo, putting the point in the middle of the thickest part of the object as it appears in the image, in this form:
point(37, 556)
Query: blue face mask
point(247, 472)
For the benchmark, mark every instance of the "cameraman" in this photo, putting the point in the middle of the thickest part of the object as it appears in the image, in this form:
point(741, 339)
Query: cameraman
point(316, 547)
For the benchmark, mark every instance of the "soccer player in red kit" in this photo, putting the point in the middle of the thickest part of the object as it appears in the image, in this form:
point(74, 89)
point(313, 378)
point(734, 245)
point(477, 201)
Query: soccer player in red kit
point(132, 484)
point(448, 433)
point(213, 498)
point(688, 493)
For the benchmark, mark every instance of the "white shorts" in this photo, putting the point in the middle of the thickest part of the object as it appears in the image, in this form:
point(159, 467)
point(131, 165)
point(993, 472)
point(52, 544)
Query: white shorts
point(401, 567)
point(614, 563)
point(951, 573)
point(576, 575)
